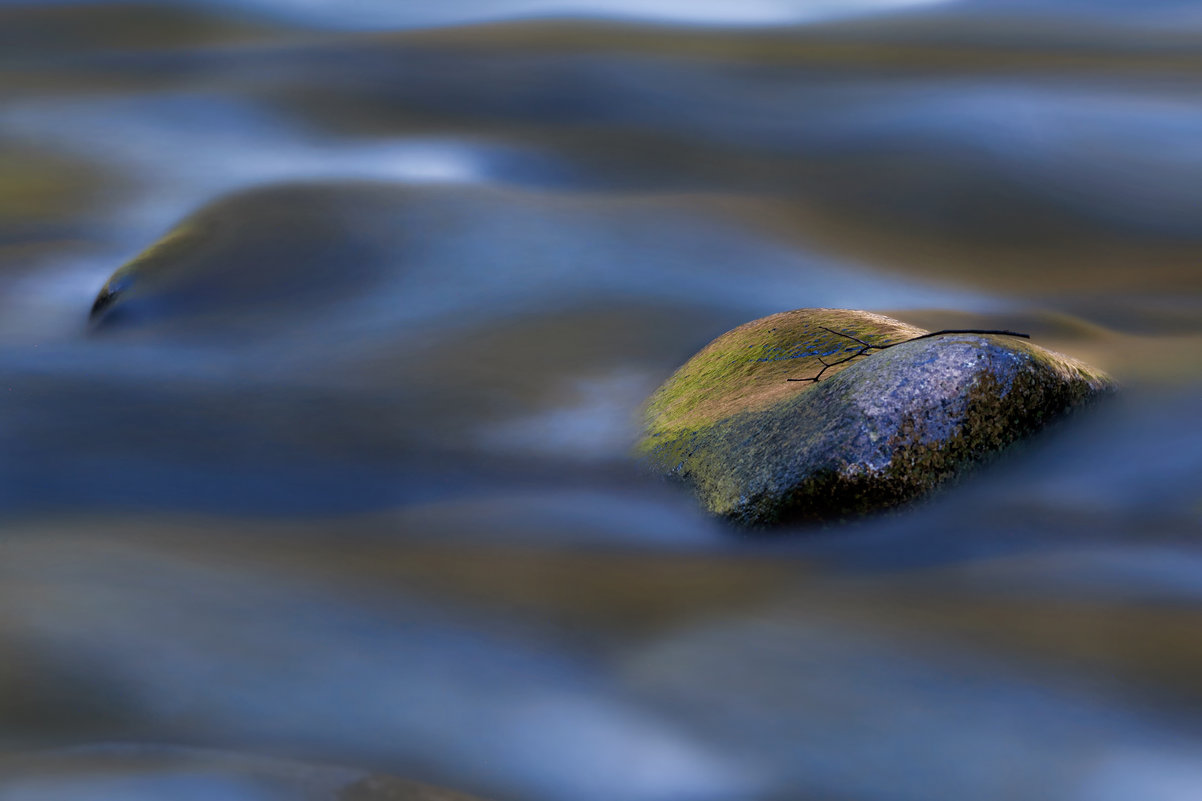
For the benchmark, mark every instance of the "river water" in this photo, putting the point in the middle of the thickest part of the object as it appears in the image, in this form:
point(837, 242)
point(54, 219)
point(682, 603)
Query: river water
point(354, 496)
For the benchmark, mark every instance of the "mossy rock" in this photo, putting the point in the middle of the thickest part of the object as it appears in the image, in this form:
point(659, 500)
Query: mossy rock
point(878, 428)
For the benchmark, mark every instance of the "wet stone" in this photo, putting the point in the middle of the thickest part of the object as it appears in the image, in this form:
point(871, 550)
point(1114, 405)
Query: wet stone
point(792, 418)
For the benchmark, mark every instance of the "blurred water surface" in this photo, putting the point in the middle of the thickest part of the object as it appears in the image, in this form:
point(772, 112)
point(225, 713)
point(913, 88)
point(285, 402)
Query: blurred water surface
point(352, 487)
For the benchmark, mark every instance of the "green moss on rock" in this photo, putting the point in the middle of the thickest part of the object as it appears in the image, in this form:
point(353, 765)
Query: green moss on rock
point(876, 431)
point(746, 369)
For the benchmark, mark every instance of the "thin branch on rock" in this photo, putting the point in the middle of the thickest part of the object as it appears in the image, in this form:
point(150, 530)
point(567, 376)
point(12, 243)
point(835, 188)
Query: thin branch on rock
point(955, 331)
point(826, 366)
point(867, 346)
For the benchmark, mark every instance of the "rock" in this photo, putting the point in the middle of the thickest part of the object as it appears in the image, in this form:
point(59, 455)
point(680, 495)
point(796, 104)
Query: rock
point(878, 428)
point(252, 259)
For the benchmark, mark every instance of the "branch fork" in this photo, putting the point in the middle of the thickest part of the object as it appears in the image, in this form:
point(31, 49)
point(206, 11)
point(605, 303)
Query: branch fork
point(866, 346)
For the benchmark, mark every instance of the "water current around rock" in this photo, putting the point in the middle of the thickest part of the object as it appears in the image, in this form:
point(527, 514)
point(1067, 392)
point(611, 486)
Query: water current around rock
point(359, 494)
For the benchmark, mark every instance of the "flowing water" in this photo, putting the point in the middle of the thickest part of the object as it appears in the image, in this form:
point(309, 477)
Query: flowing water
point(356, 496)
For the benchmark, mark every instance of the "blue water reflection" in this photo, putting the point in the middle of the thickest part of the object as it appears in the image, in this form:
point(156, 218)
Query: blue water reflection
point(349, 482)
point(181, 787)
point(382, 14)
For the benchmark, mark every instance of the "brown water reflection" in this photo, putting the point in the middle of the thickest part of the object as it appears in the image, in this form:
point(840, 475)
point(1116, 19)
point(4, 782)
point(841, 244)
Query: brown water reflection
point(349, 485)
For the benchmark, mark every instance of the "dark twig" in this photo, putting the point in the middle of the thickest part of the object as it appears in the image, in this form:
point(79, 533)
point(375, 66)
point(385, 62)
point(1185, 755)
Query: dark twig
point(867, 346)
point(849, 336)
point(958, 331)
point(826, 366)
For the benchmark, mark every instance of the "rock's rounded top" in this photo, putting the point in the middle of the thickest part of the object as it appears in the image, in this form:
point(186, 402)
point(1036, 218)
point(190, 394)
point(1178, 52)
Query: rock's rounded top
point(747, 368)
point(858, 428)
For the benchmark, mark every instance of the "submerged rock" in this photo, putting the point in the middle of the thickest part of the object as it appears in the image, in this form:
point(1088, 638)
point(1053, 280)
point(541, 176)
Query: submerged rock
point(824, 413)
point(253, 259)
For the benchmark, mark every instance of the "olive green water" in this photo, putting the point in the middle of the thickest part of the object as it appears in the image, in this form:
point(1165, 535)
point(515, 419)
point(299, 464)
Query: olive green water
point(345, 490)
